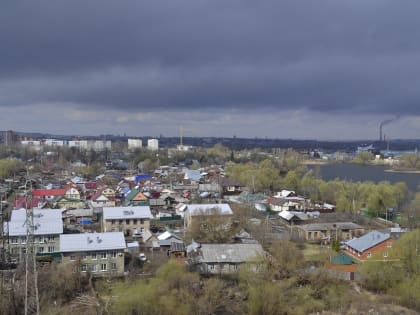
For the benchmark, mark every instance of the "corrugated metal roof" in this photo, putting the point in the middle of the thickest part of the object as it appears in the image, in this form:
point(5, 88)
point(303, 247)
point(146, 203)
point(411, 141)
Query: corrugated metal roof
point(330, 226)
point(206, 209)
point(137, 212)
point(236, 253)
point(368, 240)
point(48, 192)
point(46, 221)
point(92, 242)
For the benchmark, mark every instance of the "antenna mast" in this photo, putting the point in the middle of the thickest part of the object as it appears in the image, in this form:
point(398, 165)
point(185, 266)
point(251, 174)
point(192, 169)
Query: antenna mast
point(31, 275)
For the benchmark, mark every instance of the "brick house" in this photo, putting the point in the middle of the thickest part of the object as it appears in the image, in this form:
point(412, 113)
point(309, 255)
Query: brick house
point(375, 245)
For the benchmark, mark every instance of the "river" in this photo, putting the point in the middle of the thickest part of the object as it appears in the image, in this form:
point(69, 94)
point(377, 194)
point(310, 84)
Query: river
point(359, 173)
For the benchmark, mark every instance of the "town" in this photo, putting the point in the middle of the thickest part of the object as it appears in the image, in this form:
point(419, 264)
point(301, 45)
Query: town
point(105, 217)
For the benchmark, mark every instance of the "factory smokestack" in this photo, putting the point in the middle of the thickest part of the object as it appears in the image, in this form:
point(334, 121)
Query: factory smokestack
point(383, 123)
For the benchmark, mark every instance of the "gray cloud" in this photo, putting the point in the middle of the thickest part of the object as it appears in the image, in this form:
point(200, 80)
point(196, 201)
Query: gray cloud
point(358, 57)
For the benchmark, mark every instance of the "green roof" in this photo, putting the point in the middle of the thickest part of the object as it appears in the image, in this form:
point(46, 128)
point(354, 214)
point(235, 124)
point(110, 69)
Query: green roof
point(341, 260)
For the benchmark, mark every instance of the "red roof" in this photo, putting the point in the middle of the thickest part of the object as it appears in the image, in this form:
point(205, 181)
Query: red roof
point(48, 192)
point(90, 185)
point(21, 202)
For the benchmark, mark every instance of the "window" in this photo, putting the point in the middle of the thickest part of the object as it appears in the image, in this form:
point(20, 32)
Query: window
point(93, 255)
point(72, 257)
point(40, 249)
point(50, 238)
point(389, 245)
point(83, 268)
point(127, 221)
point(50, 249)
point(385, 254)
point(134, 221)
point(113, 266)
point(120, 221)
point(211, 267)
point(114, 254)
point(84, 257)
point(112, 221)
point(369, 254)
point(141, 221)
point(102, 255)
point(41, 239)
point(14, 240)
point(103, 267)
point(93, 268)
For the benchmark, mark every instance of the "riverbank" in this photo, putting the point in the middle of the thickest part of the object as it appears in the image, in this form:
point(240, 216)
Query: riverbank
point(403, 171)
point(315, 162)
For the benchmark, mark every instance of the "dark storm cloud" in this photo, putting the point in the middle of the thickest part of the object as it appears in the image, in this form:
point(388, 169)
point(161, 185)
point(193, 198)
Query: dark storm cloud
point(358, 56)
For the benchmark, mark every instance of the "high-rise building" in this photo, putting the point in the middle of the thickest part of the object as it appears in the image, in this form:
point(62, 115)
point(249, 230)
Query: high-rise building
point(9, 138)
point(134, 144)
point(153, 144)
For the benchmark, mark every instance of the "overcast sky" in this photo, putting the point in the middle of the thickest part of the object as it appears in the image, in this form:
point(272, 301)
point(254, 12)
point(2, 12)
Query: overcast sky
point(281, 69)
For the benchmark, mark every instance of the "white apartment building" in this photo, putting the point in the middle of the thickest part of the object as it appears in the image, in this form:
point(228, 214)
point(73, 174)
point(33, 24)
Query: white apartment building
point(134, 144)
point(47, 227)
point(153, 144)
point(96, 145)
point(55, 143)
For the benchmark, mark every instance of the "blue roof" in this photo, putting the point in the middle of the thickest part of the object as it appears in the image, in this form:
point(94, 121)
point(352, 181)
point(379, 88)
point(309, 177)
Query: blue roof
point(140, 177)
point(193, 175)
point(368, 240)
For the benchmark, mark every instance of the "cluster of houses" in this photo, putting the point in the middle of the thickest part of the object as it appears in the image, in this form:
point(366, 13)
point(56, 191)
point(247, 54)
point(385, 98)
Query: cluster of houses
point(94, 226)
point(123, 229)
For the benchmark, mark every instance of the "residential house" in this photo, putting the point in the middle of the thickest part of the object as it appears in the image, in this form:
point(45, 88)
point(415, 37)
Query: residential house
point(136, 198)
point(101, 254)
point(375, 245)
point(162, 200)
point(72, 191)
point(34, 202)
point(204, 211)
point(104, 197)
point(49, 194)
point(327, 231)
point(230, 186)
point(293, 217)
point(133, 221)
point(47, 226)
point(69, 203)
point(77, 216)
point(287, 203)
point(216, 259)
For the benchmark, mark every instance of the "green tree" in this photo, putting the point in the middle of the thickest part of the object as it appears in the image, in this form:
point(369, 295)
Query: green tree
point(8, 167)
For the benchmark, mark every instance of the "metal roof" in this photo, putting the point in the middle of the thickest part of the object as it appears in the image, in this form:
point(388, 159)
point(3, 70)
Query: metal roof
point(330, 226)
point(118, 213)
point(45, 221)
point(206, 209)
point(236, 253)
point(368, 240)
point(92, 242)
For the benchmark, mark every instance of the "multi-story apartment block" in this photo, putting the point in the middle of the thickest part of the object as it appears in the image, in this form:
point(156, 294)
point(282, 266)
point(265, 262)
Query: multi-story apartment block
point(133, 221)
point(101, 254)
point(153, 144)
point(134, 144)
point(47, 227)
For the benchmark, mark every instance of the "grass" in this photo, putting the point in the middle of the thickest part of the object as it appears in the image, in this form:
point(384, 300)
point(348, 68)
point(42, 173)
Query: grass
point(316, 252)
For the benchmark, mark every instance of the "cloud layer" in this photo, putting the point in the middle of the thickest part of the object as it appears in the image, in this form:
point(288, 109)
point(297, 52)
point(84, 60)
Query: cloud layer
point(209, 60)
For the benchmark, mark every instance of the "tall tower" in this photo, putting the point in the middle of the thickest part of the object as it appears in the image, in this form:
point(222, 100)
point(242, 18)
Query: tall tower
point(181, 130)
point(31, 275)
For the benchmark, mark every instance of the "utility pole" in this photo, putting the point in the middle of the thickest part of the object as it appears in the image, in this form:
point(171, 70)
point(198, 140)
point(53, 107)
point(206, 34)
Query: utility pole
point(31, 275)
